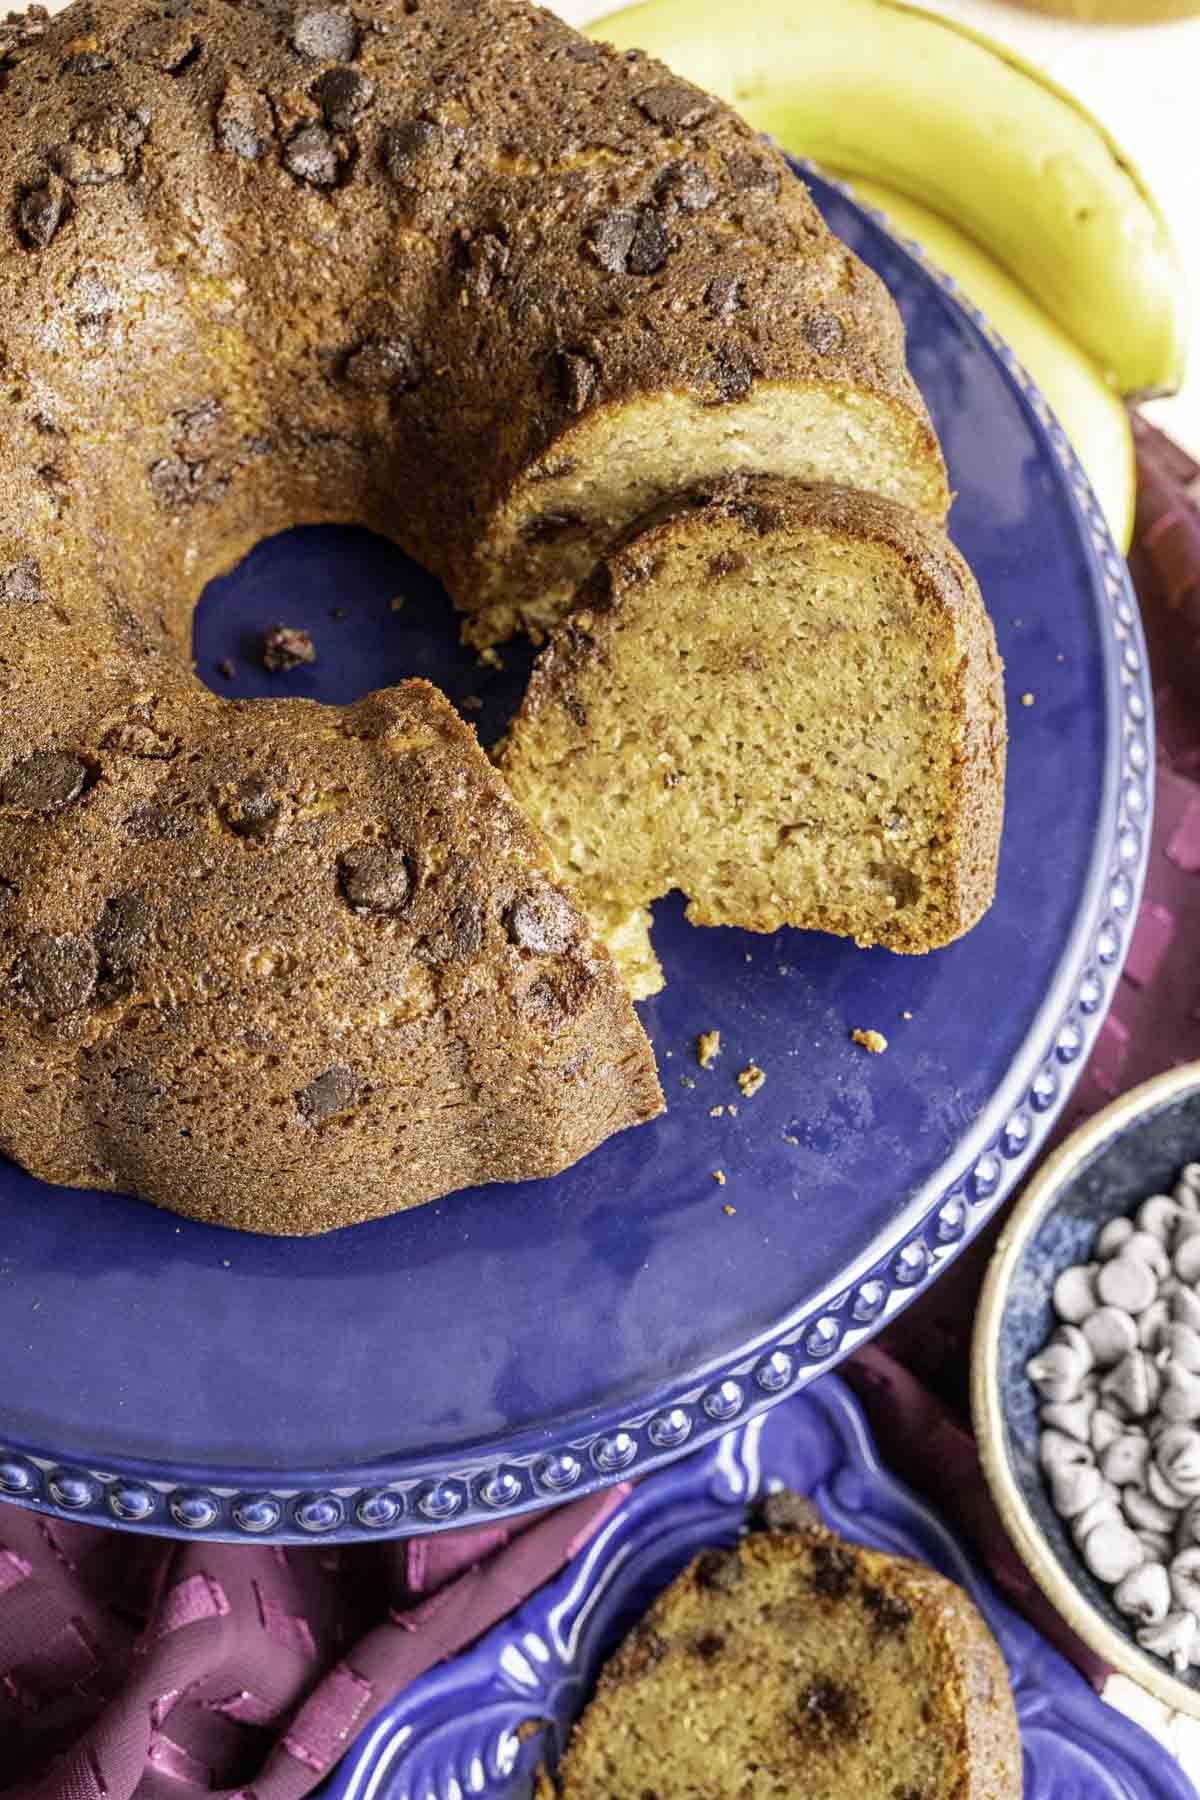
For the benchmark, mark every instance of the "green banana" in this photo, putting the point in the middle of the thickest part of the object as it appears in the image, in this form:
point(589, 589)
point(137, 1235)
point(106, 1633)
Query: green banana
point(933, 110)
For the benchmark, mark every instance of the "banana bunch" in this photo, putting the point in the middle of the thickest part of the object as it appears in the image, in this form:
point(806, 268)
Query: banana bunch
point(1004, 179)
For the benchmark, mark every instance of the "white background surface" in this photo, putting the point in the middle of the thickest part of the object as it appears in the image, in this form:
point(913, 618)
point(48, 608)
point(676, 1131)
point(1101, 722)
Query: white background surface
point(1144, 83)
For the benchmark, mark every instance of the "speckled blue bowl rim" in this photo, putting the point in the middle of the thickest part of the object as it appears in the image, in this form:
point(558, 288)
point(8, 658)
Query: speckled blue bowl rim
point(518, 1474)
point(1053, 1574)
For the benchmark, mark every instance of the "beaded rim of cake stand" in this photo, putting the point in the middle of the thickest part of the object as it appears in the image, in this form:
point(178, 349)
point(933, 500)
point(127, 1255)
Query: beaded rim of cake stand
point(479, 1493)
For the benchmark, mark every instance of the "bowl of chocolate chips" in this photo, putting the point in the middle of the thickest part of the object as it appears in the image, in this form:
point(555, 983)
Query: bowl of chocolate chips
point(1085, 1383)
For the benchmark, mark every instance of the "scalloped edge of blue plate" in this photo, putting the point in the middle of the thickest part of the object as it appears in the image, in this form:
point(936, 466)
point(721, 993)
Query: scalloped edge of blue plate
point(480, 1483)
point(454, 1732)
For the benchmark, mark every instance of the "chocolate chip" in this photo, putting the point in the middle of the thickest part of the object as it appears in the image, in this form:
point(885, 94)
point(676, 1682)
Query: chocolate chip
point(243, 122)
point(686, 185)
point(708, 1647)
point(384, 365)
point(578, 377)
point(785, 1511)
point(833, 1570)
point(8, 893)
point(333, 1092)
point(462, 935)
point(541, 922)
point(102, 147)
point(890, 1615)
point(45, 782)
point(376, 879)
point(626, 242)
point(725, 562)
point(118, 933)
point(154, 824)
point(251, 810)
point(753, 174)
point(821, 331)
point(21, 583)
point(311, 156)
point(721, 296)
point(345, 96)
point(584, 52)
point(87, 62)
point(55, 974)
point(196, 425)
point(411, 144)
point(575, 710)
point(329, 35)
point(674, 105)
point(720, 1570)
point(727, 376)
point(487, 258)
point(830, 1710)
point(40, 212)
point(612, 239)
point(642, 1649)
point(286, 647)
point(169, 43)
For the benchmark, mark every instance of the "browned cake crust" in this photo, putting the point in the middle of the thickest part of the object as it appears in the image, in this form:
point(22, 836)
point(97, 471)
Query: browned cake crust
point(417, 267)
point(696, 677)
point(800, 1664)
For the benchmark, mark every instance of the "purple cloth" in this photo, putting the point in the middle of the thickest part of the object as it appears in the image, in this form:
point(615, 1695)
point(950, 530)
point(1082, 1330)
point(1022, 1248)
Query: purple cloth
point(139, 1667)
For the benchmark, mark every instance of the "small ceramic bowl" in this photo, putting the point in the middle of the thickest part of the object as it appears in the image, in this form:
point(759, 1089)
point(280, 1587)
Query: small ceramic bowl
point(1132, 1149)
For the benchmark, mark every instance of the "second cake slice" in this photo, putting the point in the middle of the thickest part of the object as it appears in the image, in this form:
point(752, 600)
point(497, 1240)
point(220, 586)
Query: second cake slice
point(784, 701)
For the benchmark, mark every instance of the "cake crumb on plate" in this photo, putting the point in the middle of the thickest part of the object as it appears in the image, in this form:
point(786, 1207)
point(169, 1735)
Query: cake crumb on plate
point(728, 1210)
point(874, 1041)
point(750, 1079)
point(718, 1176)
point(708, 1048)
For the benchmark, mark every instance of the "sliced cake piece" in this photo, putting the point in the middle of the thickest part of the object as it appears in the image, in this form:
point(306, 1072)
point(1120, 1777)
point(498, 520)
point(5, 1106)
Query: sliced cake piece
point(800, 1665)
point(785, 701)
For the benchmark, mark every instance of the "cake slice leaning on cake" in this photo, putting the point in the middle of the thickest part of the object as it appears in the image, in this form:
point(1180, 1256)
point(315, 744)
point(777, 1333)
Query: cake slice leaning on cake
point(785, 701)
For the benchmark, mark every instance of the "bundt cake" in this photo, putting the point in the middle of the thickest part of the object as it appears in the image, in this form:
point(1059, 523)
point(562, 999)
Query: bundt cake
point(784, 701)
point(800, 1664)
point(447, 271)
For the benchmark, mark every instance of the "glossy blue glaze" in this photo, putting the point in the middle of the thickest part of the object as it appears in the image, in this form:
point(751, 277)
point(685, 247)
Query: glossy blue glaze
point(568, 1331)
point(1142, 1159)
point(453, 1732)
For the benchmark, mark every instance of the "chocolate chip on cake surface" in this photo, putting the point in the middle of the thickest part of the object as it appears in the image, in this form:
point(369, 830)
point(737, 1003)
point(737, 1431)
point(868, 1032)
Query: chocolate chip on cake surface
point(630, 242)
point(578, 377)
point(175, 482)
point(40, 212)
point(384, 364)
point(333, 1092)
point(345, 95)
point(822, 331)
point(541, 921)
point(55, 974)
point(376, 879)
point(727, 376)
point(328, 34)
point(487, 257)
point(87, 62)
point(753, 174)
point(890, 1615)
point(412, 145)
point(251, 810)
point(8, 893)
point(311, 156)
point(21, 583)
point(45, 782)
point(721, 295)
point(686, 185)
point(830, 1711)
point(725, 562)
point(720, 1570)
point(286, 647)
point(709, 1646)
point(461, 937)
point(674, 105)
point(832, 1570)
point(120, 930)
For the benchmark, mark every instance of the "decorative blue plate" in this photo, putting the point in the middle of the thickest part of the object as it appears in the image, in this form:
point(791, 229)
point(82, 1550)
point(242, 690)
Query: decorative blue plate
point(454, 1732)
point(508, 1346)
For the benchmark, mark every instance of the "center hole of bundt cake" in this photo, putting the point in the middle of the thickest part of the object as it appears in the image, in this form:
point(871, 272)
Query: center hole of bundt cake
point(333, 612)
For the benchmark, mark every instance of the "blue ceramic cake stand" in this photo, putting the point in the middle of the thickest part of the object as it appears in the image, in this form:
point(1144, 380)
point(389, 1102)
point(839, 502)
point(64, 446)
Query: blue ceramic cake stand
point(507, 1347)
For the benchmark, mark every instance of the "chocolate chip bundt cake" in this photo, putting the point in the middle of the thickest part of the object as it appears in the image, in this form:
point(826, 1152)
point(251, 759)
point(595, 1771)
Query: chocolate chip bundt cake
point(455, 274)
point(799, 1664)
point(785, 702)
